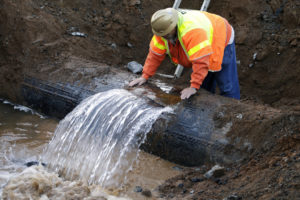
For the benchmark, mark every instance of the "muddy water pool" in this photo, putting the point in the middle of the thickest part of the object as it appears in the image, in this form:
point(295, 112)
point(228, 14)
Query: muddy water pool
point(24, 134)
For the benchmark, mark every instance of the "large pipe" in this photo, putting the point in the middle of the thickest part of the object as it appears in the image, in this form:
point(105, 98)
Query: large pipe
point(199, 130)
point(188, 136)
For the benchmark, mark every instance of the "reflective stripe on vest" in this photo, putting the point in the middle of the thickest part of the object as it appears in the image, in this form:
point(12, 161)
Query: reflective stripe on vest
point(158, 46)
point(189, 20)
point(198, 47)
point(160, 49)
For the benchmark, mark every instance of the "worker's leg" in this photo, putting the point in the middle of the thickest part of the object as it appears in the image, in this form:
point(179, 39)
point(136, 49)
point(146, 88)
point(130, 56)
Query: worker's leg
point(227, 78)
point(209, 82)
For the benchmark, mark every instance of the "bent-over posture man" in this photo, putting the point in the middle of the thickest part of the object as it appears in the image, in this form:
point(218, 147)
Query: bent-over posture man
point(197, 39)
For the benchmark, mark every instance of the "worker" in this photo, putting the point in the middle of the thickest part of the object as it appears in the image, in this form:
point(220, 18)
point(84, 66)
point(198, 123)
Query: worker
point(197, 39)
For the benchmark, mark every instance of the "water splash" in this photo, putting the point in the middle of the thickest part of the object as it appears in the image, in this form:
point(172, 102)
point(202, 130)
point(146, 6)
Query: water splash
point(98, 141)
point(37, 183)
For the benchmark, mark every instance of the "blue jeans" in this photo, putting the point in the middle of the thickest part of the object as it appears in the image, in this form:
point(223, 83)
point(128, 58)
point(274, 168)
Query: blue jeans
point(227, 78)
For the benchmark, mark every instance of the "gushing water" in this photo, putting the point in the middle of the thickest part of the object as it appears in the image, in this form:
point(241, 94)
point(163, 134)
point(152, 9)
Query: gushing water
point(99, 140)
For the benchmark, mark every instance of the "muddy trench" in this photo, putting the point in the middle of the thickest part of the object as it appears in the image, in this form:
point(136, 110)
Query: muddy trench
point(256, 140)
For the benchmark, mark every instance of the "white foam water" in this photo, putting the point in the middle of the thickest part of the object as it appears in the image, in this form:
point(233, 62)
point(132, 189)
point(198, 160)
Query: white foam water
point(23, 108)
point(37, 183)
point(98, 141)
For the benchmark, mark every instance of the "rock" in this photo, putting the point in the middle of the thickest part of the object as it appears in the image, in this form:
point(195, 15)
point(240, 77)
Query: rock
point(233, 197)
point(200, 192)
point(197, 180)
point(177, 168)
point(239, 116)
point(254, 56)
point(31, 163)
point(135, 67)
point(215, 172)
point(293, 42)
point(221, 181)
point(129, 45)
point(114, 45)
point(72, 29)
point(79, 34)
point(134, 2)
point(147, 193)
point(138, 189)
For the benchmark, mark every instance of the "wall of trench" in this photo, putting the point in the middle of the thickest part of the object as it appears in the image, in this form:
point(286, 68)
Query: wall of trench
point(35, 38)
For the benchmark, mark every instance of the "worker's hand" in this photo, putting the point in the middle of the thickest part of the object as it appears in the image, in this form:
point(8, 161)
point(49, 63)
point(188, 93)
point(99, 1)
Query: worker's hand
point(138, 81)
point(187, 92)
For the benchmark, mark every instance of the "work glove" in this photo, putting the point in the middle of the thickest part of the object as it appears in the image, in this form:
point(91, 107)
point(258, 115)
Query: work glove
point(187, 92)
point(138, 81)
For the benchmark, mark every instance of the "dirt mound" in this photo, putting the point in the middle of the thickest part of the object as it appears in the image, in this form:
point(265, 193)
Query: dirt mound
point(272, 172)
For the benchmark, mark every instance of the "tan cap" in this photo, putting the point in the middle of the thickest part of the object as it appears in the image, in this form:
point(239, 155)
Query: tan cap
point(164, 21)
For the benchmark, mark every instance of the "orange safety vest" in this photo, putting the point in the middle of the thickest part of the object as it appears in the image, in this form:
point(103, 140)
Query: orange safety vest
point(200, 34)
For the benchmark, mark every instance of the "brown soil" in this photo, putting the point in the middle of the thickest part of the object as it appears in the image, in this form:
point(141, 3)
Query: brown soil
point(271, 172)
point(36, 40)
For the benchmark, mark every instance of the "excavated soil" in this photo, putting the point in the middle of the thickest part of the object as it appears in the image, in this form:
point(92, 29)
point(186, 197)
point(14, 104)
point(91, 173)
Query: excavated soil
point(36, 40)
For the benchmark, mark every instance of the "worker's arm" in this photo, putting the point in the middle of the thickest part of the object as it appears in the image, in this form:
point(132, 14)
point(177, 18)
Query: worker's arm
point(152, 62)
point(200, 70)
point(198, 48)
